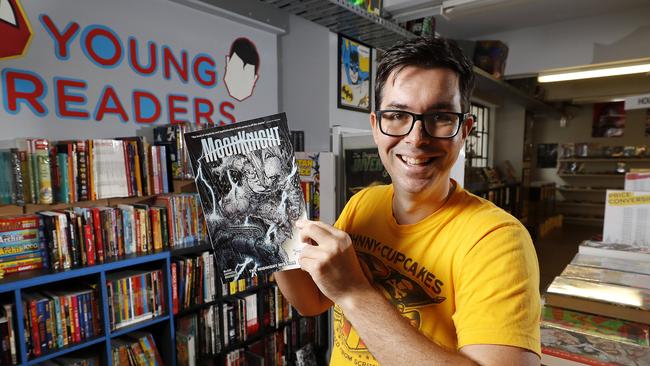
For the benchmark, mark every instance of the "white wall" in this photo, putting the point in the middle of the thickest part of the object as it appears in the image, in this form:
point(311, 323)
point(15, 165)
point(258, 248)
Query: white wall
point(508, 134)
point(611, 37)
point(308, 67)
point(304, 58)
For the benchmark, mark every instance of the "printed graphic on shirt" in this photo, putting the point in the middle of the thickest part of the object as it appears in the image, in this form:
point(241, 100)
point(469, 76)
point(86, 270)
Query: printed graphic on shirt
point(410, 296)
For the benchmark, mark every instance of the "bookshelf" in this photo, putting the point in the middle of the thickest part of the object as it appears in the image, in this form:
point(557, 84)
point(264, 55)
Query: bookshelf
point(15, 287)
point(107, 277)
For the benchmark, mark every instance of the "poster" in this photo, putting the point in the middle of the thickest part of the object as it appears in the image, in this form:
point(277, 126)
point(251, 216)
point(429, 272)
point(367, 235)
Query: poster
point(354, 65)
point(626, 218)
point(608, 119)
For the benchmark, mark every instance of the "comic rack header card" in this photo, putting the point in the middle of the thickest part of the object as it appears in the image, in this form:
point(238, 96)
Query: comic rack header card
point(249, 184)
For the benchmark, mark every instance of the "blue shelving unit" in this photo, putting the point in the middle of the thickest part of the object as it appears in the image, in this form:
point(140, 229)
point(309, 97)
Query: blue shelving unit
point(14, 287)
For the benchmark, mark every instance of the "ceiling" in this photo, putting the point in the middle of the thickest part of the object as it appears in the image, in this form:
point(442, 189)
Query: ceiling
point(494, 16)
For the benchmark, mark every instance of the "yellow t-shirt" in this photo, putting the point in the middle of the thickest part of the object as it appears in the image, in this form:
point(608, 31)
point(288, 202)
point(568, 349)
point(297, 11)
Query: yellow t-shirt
point(467, 274)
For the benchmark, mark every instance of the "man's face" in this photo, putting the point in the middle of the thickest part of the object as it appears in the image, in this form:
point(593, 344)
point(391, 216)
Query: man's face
point(240, 79)
point(418, 163)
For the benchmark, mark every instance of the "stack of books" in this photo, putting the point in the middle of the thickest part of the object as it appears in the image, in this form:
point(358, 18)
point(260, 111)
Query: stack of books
point(198, 336)
point(193, 281)
point(60, 318)
point(134, 296)
point(39, 171)
point(597, 312)
point(138, 349)
point(22, 245)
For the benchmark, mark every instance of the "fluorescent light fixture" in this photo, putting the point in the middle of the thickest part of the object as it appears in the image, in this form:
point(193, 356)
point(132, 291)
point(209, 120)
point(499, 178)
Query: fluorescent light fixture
point(636, 66)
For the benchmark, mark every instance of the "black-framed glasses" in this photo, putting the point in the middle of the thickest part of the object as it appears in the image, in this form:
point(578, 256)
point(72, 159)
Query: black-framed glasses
point(440, 125)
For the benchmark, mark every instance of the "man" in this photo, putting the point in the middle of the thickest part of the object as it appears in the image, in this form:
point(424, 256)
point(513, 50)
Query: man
point(421, 271)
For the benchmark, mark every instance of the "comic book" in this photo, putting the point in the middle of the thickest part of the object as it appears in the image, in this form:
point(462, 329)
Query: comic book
point(249, 184)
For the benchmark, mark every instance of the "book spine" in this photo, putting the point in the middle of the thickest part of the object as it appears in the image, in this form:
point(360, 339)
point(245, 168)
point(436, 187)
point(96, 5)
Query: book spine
point(174, 274)
point(17, 178)
point(82, 166)
point(99, 242)
point(44, 181)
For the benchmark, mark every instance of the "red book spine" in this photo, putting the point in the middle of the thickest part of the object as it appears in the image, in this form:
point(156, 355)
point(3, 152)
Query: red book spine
point(99, 249)
point(90, 247)
point(174, 288)
point(36, 339)
point(75, 309)
point(22, 268)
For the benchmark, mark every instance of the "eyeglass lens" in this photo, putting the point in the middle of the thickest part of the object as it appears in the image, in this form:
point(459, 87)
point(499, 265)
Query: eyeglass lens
point(439, 124)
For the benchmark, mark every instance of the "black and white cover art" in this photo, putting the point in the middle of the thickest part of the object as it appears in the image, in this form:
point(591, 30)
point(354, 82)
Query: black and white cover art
point(249, 185)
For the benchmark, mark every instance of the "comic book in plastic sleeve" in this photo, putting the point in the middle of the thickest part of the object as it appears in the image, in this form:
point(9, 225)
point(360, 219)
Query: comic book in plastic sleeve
point(248, 181)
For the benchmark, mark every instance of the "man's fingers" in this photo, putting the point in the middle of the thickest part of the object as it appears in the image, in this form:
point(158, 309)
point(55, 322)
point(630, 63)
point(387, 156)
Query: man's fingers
point(319, 233)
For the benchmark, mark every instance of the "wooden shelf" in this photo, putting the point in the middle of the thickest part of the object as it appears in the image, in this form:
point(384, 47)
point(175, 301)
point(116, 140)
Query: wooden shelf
point(595, 175)
point(594, 190)
point(583, 220)
point(582, 204)
point(604, 160)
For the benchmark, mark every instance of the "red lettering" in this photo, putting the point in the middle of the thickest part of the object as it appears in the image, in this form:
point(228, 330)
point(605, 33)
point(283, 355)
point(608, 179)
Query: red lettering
point(211, 74)
point(133, 57)
point(61, 41)
point(222, 109)
point(198, 102)
point(100, 32)
point(137, 107)
point(173, 109)
point(169, 60)
point(103, 107)
point(30, 97)
point(62, 99)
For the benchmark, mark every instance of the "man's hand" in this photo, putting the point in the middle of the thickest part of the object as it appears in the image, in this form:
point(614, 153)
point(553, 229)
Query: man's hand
point(331, 261)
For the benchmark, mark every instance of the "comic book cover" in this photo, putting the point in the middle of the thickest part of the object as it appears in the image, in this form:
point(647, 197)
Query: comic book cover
point(363, 168)
point(249, 184)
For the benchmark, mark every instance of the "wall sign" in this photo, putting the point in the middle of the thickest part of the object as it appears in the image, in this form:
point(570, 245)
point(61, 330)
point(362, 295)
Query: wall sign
point(637, 102)
point(110, 67)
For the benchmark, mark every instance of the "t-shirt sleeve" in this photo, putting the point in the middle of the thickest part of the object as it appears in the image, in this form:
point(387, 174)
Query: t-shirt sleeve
point(497, 291)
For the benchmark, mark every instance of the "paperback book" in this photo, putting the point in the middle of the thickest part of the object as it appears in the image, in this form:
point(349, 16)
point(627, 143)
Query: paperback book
point(249, 185)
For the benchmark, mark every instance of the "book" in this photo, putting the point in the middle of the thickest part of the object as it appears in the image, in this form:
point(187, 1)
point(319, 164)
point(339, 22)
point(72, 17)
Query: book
point(615, 250)
point(185, 349)
point(606, 275)
point(625, 265)
point(585, 349)
point(614, 301)
point(249, 185)
point(602, 326)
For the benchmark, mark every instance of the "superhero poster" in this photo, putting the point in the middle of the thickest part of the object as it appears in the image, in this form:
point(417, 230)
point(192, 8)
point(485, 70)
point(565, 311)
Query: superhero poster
point(249, 185)
point(355, 63)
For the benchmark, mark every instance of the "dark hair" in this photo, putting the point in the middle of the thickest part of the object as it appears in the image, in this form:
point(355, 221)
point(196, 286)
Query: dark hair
point(246, 50)
point(427, 52)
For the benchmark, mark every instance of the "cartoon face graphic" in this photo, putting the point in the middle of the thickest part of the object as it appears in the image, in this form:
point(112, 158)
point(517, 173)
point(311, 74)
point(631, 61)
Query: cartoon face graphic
point(14, 28)
point(242, 67)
